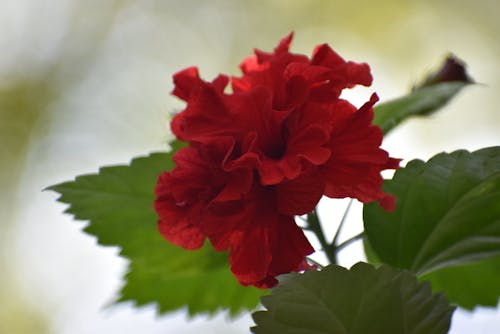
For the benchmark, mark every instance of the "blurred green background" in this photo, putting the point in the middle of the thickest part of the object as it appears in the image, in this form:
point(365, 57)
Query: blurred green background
point(86, 83)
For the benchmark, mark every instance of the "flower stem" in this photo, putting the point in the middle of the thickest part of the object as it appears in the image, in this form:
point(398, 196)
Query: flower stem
point(314, 225)
point(337, 234)
point(331, 249)
point(316, 263)
point(350, 241)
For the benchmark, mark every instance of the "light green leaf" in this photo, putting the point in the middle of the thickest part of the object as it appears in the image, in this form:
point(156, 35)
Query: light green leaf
point(469, 285)
point(447, 213)
point(356, 301)
point(421, 102)
point(118, 202)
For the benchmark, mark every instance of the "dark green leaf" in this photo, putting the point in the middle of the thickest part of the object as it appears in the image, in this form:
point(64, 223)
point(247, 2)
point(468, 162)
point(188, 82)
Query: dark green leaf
point(421, 102)
point(356, 301)
point(447, 213)
point(118, 202)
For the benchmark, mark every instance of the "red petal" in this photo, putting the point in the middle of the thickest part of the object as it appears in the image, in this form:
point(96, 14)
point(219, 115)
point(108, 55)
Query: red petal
point(182, 234)
point(284, 44)
point(185, 82)
point(251, 253)
point(290, 246)
point(205, 116)
point(174, 223)
point(301, 195)
point(347, 74)
point(272, 246)
point(357, 160)
point(309, 72)
point(358, 74)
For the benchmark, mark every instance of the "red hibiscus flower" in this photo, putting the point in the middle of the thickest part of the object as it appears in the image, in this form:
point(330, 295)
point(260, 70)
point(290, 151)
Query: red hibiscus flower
point(266, 152)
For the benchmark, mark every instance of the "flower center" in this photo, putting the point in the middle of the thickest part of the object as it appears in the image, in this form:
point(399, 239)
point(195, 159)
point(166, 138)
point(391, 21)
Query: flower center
point(276, 150)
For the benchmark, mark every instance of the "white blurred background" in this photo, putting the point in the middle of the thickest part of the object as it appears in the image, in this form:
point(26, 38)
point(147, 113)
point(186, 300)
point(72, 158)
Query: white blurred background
point(86, 83)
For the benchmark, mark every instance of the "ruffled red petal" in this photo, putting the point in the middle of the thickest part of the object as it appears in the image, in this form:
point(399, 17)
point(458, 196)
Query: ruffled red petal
point(270, 245)
point(300, 195)
point(174, 223)
point(357, 159)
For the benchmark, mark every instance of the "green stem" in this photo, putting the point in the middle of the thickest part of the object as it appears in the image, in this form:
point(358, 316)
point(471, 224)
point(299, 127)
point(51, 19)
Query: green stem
point(319, 265)
point(331, 249)
point(337, 233)
point(350, 241)
point(314, 225)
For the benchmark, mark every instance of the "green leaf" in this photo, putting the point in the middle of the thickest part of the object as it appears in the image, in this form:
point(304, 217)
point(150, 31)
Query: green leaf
point(118, 202)
point(469, 285)
point(356, 301)
point(421, 102)
point(447, 214)
point(370, 254)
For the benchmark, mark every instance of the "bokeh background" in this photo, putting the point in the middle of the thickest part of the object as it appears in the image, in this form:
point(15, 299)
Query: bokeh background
point(86, 83)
